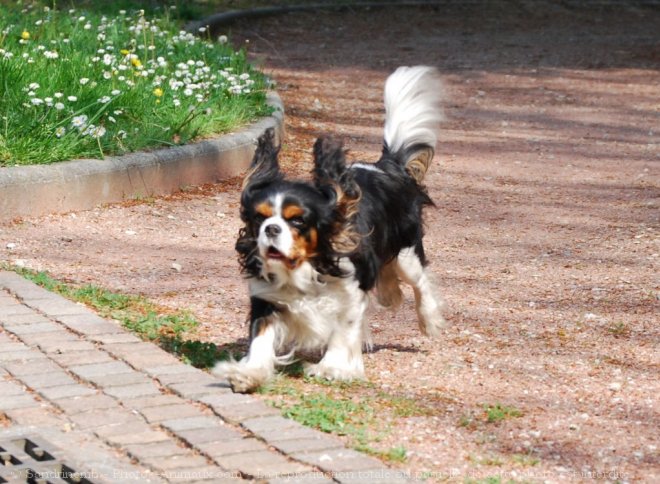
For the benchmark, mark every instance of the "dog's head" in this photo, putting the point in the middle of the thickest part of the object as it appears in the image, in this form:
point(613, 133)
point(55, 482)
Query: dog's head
point(289, 223)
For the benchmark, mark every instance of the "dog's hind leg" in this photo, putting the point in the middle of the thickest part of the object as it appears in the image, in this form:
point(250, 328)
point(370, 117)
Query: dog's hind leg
point(388, 290)
point(428, 304)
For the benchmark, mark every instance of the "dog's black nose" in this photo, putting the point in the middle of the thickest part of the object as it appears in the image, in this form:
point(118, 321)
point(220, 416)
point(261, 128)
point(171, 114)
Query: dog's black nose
point(273, 230)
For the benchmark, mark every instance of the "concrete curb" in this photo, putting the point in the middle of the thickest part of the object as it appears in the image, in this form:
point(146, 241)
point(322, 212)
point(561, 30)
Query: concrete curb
point(27, 191)
point(225, 18)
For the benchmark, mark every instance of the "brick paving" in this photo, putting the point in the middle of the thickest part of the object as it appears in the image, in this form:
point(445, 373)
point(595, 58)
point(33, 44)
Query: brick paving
point(118, 409)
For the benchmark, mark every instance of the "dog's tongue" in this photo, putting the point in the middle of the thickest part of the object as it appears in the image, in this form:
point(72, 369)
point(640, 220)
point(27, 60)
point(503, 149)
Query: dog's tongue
point(273, 253)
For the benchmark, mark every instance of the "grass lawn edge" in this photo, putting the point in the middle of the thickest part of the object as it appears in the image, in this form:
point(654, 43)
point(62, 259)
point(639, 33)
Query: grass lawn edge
point(30, 191)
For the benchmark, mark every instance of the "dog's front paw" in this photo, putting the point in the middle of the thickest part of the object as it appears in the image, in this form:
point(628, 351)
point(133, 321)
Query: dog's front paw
point(242, 378)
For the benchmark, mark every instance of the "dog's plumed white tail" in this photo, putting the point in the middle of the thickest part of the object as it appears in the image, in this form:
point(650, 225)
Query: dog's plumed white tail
point(412, 116)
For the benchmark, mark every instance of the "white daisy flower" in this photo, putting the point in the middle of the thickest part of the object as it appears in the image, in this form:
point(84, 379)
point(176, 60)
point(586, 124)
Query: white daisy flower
point(73, 99)
point(97, 132)
point(79, 121)
point(59, 106)
point(61, 131)
point(84, 80)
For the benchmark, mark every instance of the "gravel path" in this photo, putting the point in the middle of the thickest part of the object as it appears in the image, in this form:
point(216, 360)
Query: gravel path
point(544, 239)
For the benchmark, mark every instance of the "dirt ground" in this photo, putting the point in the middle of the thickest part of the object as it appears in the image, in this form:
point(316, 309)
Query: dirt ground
point(544, 239)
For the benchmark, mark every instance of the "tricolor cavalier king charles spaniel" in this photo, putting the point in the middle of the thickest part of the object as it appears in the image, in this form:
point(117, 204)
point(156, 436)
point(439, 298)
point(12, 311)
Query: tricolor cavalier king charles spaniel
point(314, 251)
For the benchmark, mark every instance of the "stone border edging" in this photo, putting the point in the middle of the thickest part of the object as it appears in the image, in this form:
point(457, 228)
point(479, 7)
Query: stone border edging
point(34, 190)
point(224, 18)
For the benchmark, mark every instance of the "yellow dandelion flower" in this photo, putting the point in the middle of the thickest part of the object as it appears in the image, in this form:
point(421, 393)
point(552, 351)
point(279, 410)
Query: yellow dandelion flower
point(158, 92)
point(124, 52)
point(136, 62)
point(25, 35)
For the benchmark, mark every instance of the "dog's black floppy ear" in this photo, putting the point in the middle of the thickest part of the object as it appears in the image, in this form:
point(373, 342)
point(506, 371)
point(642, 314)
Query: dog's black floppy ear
point(330, 167)
point(265, 167)
point(336, 182)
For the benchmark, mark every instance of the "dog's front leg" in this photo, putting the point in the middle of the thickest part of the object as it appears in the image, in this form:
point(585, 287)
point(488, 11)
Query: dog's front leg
point(258, 366)
point(343, 357)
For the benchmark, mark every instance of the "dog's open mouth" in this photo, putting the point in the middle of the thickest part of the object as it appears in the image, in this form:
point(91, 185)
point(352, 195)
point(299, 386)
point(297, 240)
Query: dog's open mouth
point(273, 253)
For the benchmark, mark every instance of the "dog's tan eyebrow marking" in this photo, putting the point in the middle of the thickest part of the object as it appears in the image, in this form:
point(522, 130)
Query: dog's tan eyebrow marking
point(265, 209)
point(291, 211)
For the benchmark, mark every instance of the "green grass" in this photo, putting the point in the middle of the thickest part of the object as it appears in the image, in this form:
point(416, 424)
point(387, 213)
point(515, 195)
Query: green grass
point(358, 411)
point(78, 83)
point(498, 412)
point(167, 328)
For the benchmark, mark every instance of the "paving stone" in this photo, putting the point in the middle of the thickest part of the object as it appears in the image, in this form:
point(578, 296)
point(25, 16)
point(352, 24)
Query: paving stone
point(270, 422)
point(6, 339)
point(27, 318)
point(225, 399)
point(136, 437)
point(132, 391)
point(35, 416)
point(176, 425)
point(156, 449)
point(307, 445)
point(37, 366)
point(119, 379)
point(241, 412)
point(30, 292)
point(175, 378)
point(6, 311)
point(8, 388)
point(58, 306)
point(261, 464)
point(175, 462)
point(46, 380)
point(10, 402)
point(21, 356)
point(170, 412)
point(89, 324)
point(89, 357)
point(20, 329)
point(123, 431)
point(98, 369)
point(141, 355)
point(298, 432)
point(108, 338)
point(104, 417)
point(381, 475)
point(197, 437)
point(192, 389)
point(85, 403)
point(338, 460)
point(74, 346)
point(61, 334)
point(173, 369)
point(66, 391)
point(152, 401)
point(231, 447)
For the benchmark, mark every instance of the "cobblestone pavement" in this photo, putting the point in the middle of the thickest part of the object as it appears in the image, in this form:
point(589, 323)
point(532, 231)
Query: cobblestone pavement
point(70, 380)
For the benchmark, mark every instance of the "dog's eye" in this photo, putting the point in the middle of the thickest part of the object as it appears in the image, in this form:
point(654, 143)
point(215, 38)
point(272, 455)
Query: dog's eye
point(297, 222)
